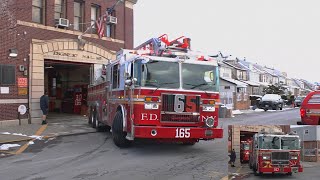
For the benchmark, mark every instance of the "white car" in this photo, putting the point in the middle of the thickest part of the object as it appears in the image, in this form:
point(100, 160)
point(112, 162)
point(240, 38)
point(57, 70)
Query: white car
point(271, 101)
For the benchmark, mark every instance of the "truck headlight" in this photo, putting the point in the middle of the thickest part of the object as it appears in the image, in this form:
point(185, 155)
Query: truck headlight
point(208, 108)
point(209, 122)
point(151, 106)
point(266, 157)
point(294, 157)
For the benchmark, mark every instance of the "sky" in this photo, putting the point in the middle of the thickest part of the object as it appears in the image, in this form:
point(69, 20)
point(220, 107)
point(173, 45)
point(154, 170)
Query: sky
point(284, 34)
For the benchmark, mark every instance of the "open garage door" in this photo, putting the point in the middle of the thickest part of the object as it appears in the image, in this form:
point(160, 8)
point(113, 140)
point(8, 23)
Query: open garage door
point(66, 83)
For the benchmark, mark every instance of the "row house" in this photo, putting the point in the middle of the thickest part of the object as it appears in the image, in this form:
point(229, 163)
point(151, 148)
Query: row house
point(233, 75)
point(293, 87)
point(304, 89)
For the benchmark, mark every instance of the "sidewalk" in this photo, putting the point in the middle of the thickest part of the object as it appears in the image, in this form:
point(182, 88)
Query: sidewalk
point(58, 125)
point(248, 111)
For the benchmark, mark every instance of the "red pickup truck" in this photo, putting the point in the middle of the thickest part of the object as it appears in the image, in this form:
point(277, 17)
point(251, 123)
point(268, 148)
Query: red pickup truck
point(310, 109)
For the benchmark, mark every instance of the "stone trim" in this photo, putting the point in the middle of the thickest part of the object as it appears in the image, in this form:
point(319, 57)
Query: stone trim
point(129, 4)
point(13, 101)
point(77, 33)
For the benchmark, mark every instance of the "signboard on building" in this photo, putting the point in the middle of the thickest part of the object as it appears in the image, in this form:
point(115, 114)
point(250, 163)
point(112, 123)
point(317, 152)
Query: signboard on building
point(22, 82)
point(4, 90)
point(22, 91)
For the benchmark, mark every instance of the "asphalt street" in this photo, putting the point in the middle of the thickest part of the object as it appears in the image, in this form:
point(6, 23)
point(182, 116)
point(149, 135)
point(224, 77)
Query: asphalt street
point(310, 173)
point(94, 156)
point(284, 117)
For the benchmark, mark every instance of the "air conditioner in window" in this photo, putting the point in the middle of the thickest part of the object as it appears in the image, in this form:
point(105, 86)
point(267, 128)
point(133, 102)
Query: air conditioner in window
point(61, 22)
point(112, 20)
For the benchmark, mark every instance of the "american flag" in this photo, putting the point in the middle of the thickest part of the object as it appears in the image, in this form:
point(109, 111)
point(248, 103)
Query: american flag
point(101, 25)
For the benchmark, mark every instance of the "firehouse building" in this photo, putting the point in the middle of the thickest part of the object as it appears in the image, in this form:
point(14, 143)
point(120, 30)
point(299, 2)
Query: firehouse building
point(48, 45)
point(238, 133)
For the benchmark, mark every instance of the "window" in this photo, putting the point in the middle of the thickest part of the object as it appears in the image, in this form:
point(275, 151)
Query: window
point(95, 14)
point(59, 9)
point(38, 11)
point(227, 87)
point(78, 16)
point(7, 75)
point(306, 131)
point(111, 28)
point(115, 76)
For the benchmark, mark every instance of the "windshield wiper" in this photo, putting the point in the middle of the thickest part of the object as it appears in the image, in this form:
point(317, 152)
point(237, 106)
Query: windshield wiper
point(196, 85)
point(158, 86)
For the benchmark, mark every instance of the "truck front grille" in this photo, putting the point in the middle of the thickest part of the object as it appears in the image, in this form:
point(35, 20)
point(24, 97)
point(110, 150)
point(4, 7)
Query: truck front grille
point(280, 157)
point(179, 118)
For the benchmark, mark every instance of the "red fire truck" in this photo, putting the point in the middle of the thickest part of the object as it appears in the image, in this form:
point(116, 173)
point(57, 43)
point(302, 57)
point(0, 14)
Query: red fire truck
point(275, 153)
point(245, 150)
point(160, 90)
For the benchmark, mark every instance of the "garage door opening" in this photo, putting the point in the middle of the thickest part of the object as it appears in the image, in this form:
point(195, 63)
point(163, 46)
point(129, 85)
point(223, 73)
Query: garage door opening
point(66, 84)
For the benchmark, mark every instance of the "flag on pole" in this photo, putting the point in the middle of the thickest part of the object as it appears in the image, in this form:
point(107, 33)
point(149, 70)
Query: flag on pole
point(101, 25)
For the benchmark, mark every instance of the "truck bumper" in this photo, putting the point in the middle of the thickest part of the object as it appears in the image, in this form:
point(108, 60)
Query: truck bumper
point(177, 132)
point(281, 170)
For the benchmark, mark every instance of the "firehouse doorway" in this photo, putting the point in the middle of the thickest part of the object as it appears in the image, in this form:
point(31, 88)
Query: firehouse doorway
point(66, 84)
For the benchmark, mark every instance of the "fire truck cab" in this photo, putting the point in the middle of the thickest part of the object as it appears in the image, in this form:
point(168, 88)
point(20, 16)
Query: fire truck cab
point(245, 151)
point(275, 153)
point(159, 92)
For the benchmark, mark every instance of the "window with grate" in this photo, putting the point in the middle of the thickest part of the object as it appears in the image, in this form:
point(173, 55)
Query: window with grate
point(60, 9)
point(78, 16)
point(95, 14)
point(38, 11)
point(7, 75)
point(111, 28)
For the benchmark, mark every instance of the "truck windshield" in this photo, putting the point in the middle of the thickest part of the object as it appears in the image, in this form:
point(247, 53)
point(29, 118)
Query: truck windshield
point(276, 142)
point(199, 77)
point(291, 143)
point(269, 142)
point(245, 146)
point(159, 74)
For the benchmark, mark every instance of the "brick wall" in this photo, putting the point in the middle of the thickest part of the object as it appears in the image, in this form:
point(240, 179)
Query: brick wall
point(17, 36)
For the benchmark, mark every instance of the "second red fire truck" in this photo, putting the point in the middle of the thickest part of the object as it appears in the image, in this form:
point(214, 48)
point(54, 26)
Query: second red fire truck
point(160, 90)
point(275, 153)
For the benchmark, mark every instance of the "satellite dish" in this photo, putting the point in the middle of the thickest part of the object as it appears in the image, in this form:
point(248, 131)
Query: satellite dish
point(22, 109)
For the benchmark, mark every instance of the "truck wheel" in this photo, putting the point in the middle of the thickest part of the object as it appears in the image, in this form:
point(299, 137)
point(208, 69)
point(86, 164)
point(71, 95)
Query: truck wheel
point(99, 126)
point(289, 173)
point(90, 117)
point(94, 119)
point(188, 143)
point(119, 137)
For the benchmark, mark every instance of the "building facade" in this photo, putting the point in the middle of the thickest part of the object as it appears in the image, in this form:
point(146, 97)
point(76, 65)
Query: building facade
point(310, 142)
point(48, 45)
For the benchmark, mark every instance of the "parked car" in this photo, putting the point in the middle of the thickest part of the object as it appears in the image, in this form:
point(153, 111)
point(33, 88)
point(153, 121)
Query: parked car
point(310, 109)
point(271, 101)
point(298, 100)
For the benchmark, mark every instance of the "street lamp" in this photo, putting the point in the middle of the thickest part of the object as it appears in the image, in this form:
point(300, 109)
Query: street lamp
point(13, 52)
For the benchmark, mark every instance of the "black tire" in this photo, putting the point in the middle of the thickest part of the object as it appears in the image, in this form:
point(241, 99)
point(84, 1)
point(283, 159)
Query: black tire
point(90, 117)
point(98, 125)
point(94, 119)
point(289, 173)
point(265, 109)
point(188, 143)
point(119, 137)
point(281, 107)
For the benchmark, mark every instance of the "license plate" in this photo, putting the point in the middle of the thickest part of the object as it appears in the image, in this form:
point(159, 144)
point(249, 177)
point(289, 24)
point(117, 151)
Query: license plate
point(294, 169)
